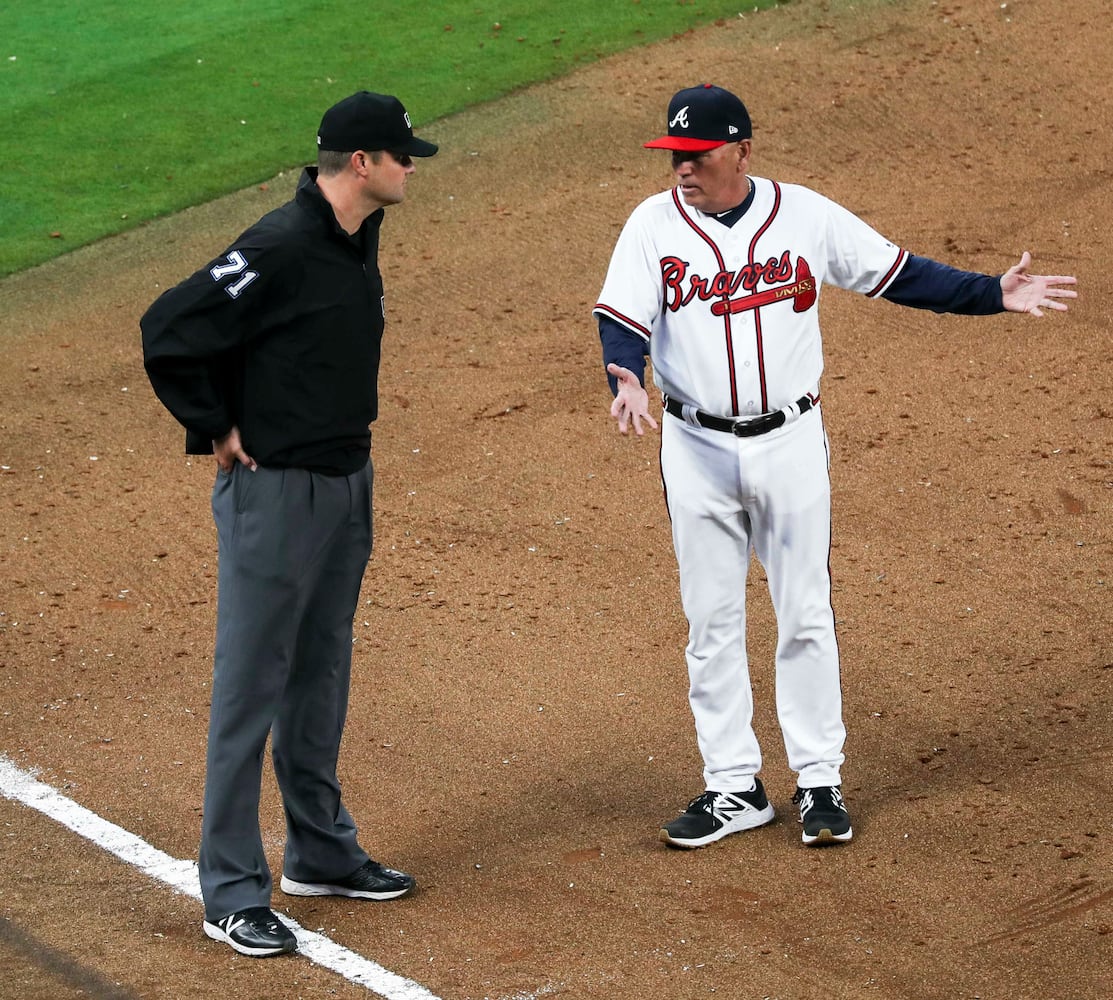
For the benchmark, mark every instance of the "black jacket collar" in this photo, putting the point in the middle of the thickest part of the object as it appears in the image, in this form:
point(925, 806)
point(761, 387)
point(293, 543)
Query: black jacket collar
point(309, 196)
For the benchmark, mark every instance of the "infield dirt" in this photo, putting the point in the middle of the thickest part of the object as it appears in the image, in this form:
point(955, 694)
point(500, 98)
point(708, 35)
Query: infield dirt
point(519, 726)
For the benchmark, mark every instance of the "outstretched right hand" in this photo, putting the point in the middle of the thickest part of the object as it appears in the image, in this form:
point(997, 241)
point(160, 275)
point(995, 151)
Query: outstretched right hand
point(631, 403)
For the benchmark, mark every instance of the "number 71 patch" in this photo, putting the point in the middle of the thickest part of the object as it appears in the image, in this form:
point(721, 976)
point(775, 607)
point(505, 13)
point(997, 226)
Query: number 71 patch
point(237, 265)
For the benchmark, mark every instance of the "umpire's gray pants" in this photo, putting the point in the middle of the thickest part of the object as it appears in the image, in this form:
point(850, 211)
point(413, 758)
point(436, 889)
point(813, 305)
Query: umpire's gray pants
point(293, 546)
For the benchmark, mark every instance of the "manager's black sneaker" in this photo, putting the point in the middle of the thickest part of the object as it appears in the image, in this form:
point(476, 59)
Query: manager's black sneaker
point(255, 931)
point(823, 815)
point(370, 881)
point(714, 815)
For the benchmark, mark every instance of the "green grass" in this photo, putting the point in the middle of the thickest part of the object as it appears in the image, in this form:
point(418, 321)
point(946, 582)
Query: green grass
point(115, 112)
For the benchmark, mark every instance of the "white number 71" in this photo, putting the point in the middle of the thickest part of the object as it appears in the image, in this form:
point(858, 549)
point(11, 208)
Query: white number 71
point(236, 265)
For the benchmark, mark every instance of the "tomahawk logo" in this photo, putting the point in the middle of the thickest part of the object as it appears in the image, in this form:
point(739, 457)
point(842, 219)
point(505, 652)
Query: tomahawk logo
point(681, 118)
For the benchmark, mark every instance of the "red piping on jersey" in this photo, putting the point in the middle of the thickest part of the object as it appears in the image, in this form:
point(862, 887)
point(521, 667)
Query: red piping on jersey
point(726, 298)
point(757, 312)
point(624, 320)
point(902, 255)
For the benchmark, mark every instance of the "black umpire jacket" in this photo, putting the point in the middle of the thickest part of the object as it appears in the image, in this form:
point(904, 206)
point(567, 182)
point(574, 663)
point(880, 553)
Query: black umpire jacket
point(280, 337)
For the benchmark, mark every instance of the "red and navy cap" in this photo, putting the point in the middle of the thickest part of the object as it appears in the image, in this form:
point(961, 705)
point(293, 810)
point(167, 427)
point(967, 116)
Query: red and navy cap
point(704, 117)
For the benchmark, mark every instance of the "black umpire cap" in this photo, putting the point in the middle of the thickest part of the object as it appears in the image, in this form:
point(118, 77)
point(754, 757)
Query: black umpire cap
point(370, 122)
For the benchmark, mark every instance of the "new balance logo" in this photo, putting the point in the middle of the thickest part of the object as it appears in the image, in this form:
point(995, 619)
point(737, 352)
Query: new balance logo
point(725, 808)
point(231, 922)
point(681, 118)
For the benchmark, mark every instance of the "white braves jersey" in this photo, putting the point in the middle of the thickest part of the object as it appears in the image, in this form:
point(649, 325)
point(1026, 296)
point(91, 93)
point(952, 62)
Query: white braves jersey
point(731, 315)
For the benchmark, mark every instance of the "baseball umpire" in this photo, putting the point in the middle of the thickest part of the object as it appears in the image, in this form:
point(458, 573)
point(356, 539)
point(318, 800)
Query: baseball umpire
point(718, 281)
point(269, 357)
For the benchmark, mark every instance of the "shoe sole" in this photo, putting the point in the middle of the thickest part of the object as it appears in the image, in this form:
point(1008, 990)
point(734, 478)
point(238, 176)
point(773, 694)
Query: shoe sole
point(825, 836)
point(750, 821)
point(211, 930)
point(292, 888)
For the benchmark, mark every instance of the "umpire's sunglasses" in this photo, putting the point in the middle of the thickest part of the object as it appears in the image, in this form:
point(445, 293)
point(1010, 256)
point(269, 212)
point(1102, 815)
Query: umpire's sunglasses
point(403, 159)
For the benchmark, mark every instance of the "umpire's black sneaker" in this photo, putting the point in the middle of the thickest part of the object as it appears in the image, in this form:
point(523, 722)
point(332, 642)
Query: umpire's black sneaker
point(823, 815)
point(370, 881)
point(255, 931)
point(714, 815)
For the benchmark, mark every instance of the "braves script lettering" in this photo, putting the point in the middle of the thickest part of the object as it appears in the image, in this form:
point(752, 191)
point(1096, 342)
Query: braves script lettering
point(682, 287)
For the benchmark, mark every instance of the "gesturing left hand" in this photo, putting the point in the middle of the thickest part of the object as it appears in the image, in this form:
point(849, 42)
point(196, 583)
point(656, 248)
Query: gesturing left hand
point(1022, 292)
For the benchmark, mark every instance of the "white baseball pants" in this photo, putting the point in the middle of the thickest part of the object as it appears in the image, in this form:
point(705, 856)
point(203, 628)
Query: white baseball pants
point(770, 494)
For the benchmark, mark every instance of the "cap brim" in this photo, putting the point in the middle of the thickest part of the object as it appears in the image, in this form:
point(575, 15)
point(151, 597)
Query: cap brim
point(417, 147)
point(684, 143)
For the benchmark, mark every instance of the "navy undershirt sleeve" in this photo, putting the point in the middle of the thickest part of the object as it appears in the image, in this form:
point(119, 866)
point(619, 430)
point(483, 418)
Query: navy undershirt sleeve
point(623, 347)
point(926, 284)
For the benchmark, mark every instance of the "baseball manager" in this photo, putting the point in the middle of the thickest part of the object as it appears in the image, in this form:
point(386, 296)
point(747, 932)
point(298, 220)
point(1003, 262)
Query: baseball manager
point(718, 280)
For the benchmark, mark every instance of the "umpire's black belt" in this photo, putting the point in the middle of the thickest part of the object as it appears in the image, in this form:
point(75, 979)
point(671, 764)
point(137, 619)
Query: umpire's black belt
point(744, 426)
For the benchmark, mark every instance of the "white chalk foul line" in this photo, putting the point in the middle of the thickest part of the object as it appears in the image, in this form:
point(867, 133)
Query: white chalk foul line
point(181, 876)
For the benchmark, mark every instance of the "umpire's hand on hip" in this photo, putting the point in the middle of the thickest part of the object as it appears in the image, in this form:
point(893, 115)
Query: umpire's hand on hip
point(229, 451)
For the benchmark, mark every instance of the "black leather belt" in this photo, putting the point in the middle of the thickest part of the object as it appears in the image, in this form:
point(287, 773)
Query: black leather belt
point(740, 426)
